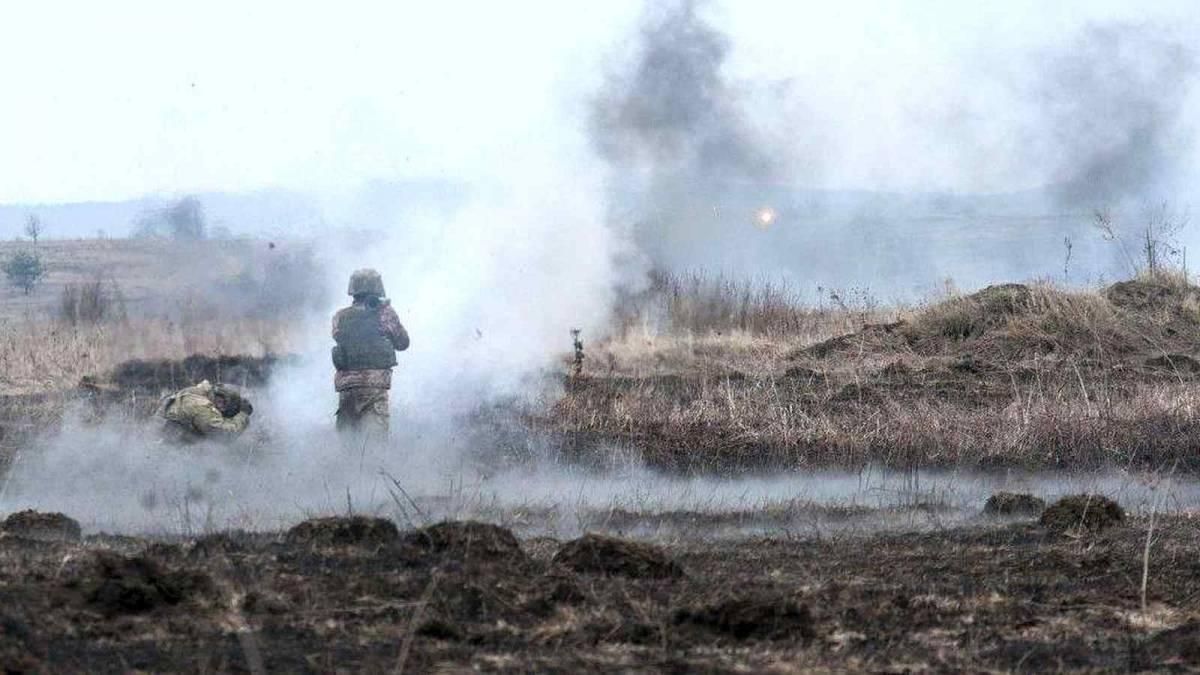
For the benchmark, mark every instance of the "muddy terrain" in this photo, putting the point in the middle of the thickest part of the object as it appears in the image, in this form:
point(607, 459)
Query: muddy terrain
point(353, 593)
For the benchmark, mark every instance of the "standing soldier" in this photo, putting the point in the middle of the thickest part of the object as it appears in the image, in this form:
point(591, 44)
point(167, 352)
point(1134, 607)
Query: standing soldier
point(368, 334)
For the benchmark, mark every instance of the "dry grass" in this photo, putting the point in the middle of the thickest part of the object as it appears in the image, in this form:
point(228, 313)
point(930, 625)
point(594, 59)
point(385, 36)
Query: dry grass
point(699, 304)
point(41, 356)
point(1030, 376)
point(158, 277)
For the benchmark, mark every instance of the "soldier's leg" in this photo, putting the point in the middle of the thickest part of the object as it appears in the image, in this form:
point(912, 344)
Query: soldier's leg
point(348, 412)
point(378, 416)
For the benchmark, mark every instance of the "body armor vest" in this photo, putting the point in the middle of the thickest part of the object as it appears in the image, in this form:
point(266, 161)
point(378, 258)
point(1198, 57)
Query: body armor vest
point(361, 344)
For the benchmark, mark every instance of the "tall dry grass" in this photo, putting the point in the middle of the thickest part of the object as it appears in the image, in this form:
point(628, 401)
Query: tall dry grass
point(699, 323)
point(1032, 376)
point(699, 304)
point(42, 355)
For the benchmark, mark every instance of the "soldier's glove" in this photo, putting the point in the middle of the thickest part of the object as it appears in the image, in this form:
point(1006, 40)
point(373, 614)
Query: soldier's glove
point(247, 408)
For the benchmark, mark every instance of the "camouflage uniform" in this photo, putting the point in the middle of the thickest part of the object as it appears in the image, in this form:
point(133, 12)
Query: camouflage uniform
point(367, 333)
point(192, 414)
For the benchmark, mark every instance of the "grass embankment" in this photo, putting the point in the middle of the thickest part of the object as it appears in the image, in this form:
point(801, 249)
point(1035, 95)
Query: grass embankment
point(1020, 376)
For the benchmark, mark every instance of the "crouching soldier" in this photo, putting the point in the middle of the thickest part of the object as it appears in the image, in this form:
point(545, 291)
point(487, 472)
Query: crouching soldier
point(204, 411)
point(368, 334)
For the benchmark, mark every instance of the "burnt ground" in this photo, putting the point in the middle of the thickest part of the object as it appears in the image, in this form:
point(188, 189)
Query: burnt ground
point(356, 594)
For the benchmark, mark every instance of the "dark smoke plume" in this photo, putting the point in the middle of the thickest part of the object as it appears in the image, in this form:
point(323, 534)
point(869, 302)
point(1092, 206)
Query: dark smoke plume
point(1113, 102)
point(674, 132)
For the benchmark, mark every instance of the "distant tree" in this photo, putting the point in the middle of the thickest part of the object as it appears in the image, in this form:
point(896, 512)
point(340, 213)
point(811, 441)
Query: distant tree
point(24, 270)
point(33, 227)
point(182, 220)
point(186, 218)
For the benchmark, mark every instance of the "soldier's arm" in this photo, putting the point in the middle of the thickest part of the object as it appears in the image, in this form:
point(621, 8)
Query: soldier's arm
point(393, 329)
point(336, 321)
point(209, 420)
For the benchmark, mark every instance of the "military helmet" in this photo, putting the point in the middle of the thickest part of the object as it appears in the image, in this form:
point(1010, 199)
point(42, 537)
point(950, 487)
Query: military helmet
point(226, 390)
point(228, 400)
point(366, 282)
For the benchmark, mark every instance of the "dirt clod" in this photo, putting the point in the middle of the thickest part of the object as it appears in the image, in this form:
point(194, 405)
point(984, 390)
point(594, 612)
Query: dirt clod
point(753, 618)
point(42, 526)
point(437, 629)
point(134, 585)
point(468, 540)
point(597, 554)
point(1014, 504)
point(361, 531)
point(1082, 512)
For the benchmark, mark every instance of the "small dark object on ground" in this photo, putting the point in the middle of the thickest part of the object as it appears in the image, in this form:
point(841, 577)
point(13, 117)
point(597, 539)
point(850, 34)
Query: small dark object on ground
point(595, 553)
point(437, 629)
point(1082, 512)
point(1014, 504)
point(133, 585)
point(43, 526)
point(745, 618)
point(344, 531)
point(468, 540)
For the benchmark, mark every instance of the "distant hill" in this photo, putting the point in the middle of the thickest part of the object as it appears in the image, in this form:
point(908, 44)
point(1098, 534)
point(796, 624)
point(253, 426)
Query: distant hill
point(261, 213)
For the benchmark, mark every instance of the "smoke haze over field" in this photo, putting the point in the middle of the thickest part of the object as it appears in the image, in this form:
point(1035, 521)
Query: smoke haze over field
point(511, 169)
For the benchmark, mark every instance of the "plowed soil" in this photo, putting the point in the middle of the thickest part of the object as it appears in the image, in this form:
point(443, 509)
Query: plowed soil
point(358, 595)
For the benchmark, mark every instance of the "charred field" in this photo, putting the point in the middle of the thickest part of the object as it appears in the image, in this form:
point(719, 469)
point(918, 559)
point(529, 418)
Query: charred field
point(354, 594)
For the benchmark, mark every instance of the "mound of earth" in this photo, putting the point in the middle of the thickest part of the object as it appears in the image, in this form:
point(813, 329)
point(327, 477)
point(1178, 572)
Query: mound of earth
point(1170, 649)
point(116, 584)
point(169, 375)
point(358, 531)
point(972, 315)
point(876, 337)
point(1082, 512)
point(752, 618)
point(597, 554)
point(468, 540)
point(1146, 295)
point(32, 524)
point(1014, 504)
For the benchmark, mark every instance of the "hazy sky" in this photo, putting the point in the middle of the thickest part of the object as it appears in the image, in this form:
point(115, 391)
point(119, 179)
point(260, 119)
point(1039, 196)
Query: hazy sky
point(117, 99)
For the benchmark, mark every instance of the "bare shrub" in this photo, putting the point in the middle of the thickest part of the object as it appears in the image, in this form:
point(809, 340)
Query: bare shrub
point(1151, 248)
point(183, 219)
point(34, 227)
point(91, 302)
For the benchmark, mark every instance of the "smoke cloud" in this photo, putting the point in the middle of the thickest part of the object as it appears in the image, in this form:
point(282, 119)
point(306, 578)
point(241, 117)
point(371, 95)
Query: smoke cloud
point(1113, 101)
point(676, 135)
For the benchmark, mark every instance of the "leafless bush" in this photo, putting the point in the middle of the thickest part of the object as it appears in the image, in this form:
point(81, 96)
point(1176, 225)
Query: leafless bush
point(1152, 248)
point(91, 302)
